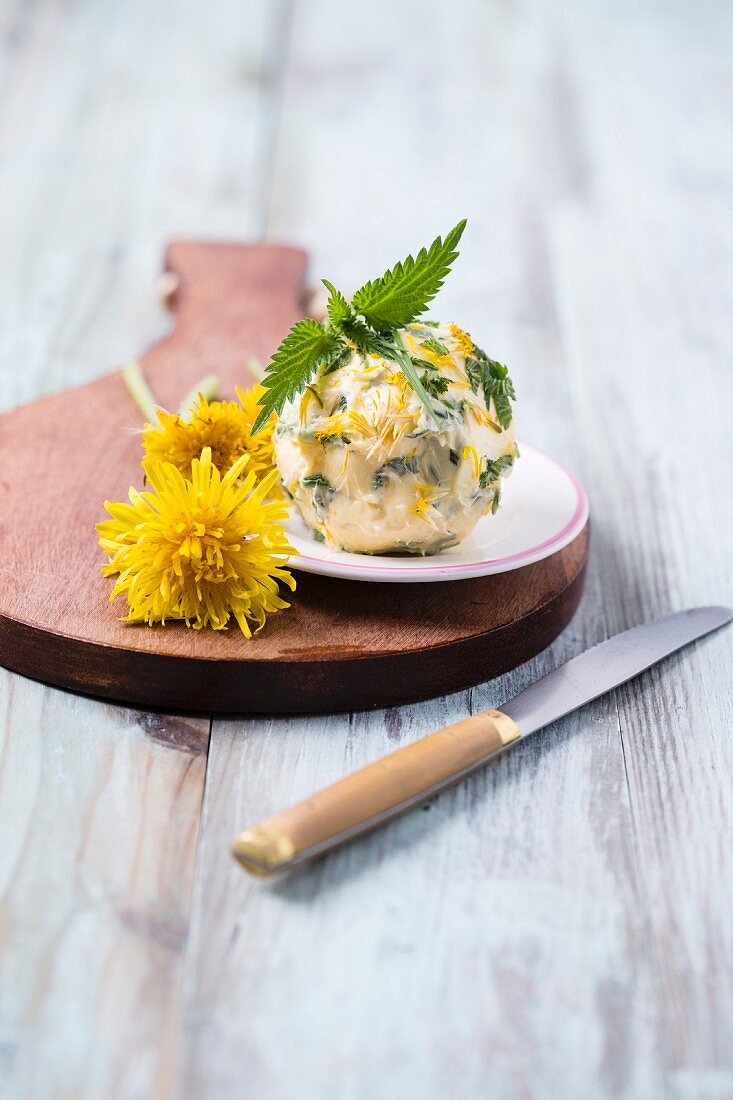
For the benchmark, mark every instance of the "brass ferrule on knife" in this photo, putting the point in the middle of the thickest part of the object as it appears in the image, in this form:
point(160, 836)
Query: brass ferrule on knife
point(373, 795)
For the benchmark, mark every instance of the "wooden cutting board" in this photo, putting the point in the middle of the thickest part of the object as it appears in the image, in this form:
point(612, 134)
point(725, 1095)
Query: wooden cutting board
point(343, 645)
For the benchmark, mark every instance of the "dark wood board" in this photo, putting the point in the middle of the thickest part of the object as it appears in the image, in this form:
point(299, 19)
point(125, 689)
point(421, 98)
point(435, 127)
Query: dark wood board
point(343, 645)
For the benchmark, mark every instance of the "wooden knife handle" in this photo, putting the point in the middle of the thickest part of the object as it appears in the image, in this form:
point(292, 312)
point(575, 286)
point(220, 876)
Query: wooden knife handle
point(374, 794)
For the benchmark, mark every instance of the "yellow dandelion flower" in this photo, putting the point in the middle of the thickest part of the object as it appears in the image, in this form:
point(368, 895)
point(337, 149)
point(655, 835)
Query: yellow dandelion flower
point(220, 425)
point(203, 550)
point(463, 340)
point(223, 426)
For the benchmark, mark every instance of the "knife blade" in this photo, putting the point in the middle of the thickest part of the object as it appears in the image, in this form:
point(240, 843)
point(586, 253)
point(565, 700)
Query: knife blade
point(608, 664)
point(393, 784)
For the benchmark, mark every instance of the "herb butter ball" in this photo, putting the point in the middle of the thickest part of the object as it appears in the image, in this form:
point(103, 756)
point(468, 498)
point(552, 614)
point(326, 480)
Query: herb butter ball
point(373, 472)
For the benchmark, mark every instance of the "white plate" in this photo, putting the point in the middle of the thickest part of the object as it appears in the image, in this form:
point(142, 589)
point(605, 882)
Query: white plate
point(543, 508)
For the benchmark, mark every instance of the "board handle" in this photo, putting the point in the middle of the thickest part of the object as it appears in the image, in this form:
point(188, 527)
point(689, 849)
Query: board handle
point(374, 794)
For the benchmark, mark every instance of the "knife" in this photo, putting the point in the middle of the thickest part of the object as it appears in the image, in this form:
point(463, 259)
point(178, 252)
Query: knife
point(395, 783)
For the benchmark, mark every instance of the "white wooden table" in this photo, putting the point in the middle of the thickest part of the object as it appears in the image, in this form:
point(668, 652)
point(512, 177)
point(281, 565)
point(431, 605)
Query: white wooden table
point(560, 925)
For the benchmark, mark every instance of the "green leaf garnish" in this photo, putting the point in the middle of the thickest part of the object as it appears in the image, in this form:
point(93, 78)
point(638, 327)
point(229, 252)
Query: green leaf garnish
point(337, 308)
point(494, 379)
point(337, 358)
point(398, 466)
point(370, 325)
point(293, 365)
point(434, 383)
point(473, 370)
point(435, 346)
point(317, 479)
point(403, 293)
point(363, 338)
point(503, 408)
point(492, 469)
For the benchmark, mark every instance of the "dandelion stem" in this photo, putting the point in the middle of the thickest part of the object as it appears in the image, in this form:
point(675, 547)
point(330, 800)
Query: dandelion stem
point(140, 391)
point(256, 368)
point(208, 387)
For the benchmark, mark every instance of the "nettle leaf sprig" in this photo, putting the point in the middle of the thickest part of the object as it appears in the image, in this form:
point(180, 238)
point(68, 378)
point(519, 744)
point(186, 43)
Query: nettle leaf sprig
point(493, 378)
point(369, 323)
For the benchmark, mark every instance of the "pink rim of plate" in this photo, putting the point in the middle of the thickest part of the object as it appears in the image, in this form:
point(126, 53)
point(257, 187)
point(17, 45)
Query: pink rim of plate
point(470, 569)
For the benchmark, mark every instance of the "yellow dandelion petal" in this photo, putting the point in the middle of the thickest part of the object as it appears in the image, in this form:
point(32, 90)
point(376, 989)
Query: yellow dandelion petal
point(482, 416)
point(202, 549)
point(259, 447)
point(360, 424)
point(463, 341)
point(426, 496)
point(470, 452)
point(309, 396)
